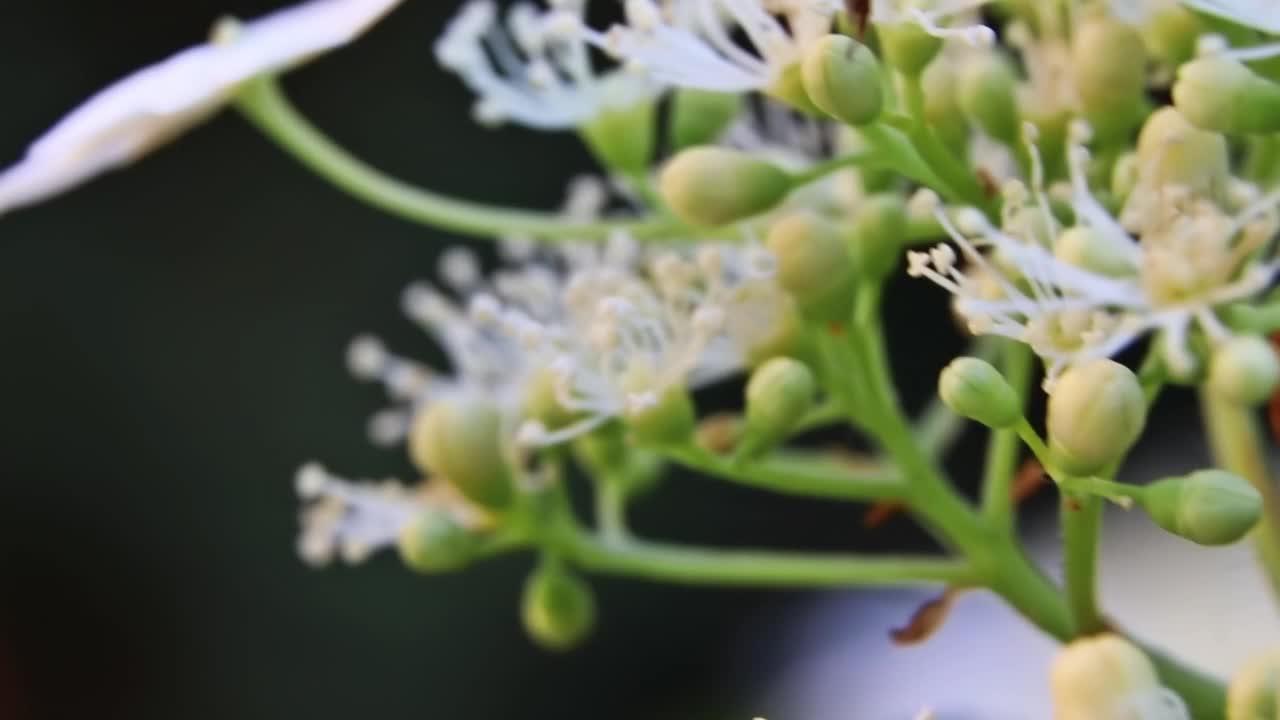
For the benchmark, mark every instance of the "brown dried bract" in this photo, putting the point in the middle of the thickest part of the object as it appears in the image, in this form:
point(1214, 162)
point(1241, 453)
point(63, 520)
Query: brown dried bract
point(926, 620)
point(859, 14)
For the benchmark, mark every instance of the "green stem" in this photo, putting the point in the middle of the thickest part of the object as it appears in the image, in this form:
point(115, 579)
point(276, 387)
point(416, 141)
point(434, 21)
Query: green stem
point(945, 164)
point(1003, 445)
point(1237, 445)
point(263, 103)
point(901, 155)
point(825, 168)
point(796, 473)
point(1204, 695)
point(611, 509)
point(1081, 529)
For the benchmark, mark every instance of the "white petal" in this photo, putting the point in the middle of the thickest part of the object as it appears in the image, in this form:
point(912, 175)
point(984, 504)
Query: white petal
point(1261, 14)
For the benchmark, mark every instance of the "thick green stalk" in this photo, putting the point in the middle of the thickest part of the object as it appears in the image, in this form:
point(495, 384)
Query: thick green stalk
point(1237, 445)
point(1003, 445)
point(797, 473)
point(1081, 531)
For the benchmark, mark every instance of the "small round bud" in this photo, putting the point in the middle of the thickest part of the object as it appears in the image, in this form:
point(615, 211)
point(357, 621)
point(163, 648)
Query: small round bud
point(711, 186)
point(942, 109)
point(542, 402)
point(973, 388)
point(1088, 249)
point(434, 542)
point(623, 139)
point(1106, 678)
point(459, 440)
point(557, 607)
point(1172, 151)
point(988, 95)
point(1125, 175)
point(1254, 691)
point(1221, 94)
point(1169, 32)
point(1096, 413)
point(879, 232)
point(842, 77)
point(907, 47)
point(655, 415)
point(784, 336)
point(813, 265)
point(700, 117)
point(1244, 370)
point(1207, 507)
point(778, 395)
point(1110, 74)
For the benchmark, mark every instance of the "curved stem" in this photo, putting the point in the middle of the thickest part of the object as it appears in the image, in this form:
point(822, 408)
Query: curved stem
point(796, 473)
point(263, 103)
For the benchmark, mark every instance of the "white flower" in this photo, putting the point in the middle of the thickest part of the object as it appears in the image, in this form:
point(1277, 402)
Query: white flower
point(1261, 14)
point(143, 110)
point(692, 44)
point(537, 71)
point(1192, 259)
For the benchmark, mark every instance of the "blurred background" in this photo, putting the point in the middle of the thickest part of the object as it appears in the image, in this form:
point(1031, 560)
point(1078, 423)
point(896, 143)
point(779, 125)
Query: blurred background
point(173, 342)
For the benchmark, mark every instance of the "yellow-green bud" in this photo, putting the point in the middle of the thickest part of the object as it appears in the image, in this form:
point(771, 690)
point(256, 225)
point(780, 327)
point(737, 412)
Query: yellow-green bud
point(1244, 370)
point(878, 234)
point(942, 103)
point(1254, 691)
point(665, 416)
point(1089, 249)
point(1207, 507)
point(789, 88)
point(699, 117)
point(988, 95)
point(713, 186)
point(784, 336)
point(842, 77)
point(459, 440)
point(1172, 151)
point(1104, 677)
point(1096, 412)
point(542, 402)
point(435, 542)
point(813, 264)
point(557, 607)
point(1221, 94)
point(778, 395)
point(907, 47)
point(973, 388)
point(1124, 177)
point(1110, 73)
point(623, 139)
point(1169, 32)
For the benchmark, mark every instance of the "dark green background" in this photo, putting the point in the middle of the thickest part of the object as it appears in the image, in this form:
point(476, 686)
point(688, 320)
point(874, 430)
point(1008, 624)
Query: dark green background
point(172, 351)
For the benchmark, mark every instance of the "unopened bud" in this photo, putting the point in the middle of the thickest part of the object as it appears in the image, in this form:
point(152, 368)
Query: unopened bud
point(700, 117)
point(435, 542)
point(1172, 151)
point(542, 401)
point(623, 139)
point(1254, 691)
point(813, 265)
point(942, 109)
point(842, 77)
point(657, 415)
point(779, 394)
point(1244, 370)
point(1090, 249)
point(907, 47)
point(973, 388)
point(988, 88)
point(458, 439)
point(1110, 73)
point(1106, 678)
point(1207, 507)
point(713, 186)
point(788, 87)
point(1096, 412)
point(1170, 32)
point(878, 235)
point(557, 607)
point(1125, 175)
point(1221, 94)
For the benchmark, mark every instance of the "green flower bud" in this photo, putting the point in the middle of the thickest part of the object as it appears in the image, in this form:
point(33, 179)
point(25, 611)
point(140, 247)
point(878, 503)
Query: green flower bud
point(1124, 177)
point(907, 47)
point(623, 139)
point(1096, 413)
point(1244, 370)
point(974, 389)
point(1207, 507)
point(667, 418)
point(712, 186)
point(1254, 691)
point(789, 88)
point(1110, 74)
point(988, 95)
point(813, 265)
point(1172, 151)
point(542, 403)
point(842, 77)
point(785, 336)
point(1086, 248)
point(1099, 678)
point(1169, 33)
point(1220, 93)
point(459, 440)
point(557, 607)
point(435, 542)
point(779, 394)
point(699, 117)
point(878, 234)
point(942, 109)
